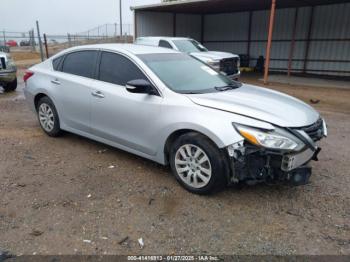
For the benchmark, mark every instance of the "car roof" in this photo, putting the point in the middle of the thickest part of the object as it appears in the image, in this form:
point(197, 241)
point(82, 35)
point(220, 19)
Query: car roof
point(130, 48)
point(162, 38)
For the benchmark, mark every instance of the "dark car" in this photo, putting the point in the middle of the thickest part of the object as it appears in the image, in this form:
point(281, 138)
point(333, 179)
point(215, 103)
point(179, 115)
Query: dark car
point(24, 43)
point(8, 71)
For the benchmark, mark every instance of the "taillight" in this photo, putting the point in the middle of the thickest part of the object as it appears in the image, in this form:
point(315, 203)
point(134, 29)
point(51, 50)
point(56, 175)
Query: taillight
point(27, 75)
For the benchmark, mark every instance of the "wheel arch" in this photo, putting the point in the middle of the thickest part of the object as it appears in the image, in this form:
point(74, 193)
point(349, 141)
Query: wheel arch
point(177, 133)
point(37, 97)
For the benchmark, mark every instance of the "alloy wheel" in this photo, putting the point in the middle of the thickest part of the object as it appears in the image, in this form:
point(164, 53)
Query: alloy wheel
point(46, 117)
point(193, 166)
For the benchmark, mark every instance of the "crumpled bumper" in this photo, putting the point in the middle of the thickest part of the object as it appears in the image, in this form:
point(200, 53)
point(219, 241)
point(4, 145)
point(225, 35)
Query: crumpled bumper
point(253, 164)
point(293, 161)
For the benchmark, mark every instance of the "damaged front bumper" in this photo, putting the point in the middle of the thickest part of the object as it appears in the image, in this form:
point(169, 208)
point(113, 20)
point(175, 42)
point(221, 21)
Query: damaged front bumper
point(252, 164)
point(293, 161)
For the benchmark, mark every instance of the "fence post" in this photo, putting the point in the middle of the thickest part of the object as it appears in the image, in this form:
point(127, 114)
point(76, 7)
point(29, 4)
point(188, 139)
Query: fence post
point(32, 39)
point(4, 35)
point(46, 48)
point(40, 43)
point(69, 41)
point(120, 19)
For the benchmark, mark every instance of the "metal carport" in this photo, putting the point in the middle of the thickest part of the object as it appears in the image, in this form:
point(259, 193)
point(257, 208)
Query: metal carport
point(298, 36)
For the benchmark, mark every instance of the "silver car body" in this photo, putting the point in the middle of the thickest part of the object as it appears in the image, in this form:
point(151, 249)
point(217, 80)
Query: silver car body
point(213, 58)
point(141, 123)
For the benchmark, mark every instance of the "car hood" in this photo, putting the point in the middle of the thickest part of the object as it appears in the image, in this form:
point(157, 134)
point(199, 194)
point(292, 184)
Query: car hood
point(262, 104)
point(212, 55)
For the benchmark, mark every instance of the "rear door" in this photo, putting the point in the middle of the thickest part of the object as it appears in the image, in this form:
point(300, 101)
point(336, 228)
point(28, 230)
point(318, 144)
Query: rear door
point(125, 118)
point(72, 86)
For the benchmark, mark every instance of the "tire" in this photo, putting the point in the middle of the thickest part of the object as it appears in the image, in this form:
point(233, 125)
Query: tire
point(9, 87)
point(199, 176)
point(48, 117)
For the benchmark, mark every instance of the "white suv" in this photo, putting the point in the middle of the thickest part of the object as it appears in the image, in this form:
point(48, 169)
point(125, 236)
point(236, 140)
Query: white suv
point(227, 63)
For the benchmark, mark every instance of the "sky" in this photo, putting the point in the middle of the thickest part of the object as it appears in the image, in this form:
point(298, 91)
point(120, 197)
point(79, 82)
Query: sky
point(64, 16)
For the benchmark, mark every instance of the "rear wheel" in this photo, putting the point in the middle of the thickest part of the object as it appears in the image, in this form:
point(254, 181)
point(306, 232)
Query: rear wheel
point(48, 117)
point(198, 164)
point(10, 86)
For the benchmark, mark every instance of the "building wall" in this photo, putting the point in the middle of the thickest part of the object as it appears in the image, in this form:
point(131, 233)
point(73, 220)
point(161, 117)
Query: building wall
point(328, 49)
point(188, 26)
point(162, 24)
point(154, 24)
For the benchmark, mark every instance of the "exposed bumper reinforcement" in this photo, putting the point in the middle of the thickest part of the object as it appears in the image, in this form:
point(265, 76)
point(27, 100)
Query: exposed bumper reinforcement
point(293, 161)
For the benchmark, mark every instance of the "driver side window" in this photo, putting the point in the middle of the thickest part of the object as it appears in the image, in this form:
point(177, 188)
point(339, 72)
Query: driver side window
point(118, 69)
point(163, 43)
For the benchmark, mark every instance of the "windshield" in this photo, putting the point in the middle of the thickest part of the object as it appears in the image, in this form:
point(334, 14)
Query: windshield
point(184, 74)
point(189, 46)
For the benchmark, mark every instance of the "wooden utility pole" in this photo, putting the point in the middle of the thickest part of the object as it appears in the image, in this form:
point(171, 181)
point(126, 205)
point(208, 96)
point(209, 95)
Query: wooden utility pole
point(46, 47)
point(269, 41)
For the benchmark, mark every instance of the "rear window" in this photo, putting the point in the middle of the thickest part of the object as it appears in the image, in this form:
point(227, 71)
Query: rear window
point(56, 63)
point(80, 63)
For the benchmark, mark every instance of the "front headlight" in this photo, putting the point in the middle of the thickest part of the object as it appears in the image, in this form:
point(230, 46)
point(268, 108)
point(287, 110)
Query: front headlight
point(212, 63)
point(269, 139)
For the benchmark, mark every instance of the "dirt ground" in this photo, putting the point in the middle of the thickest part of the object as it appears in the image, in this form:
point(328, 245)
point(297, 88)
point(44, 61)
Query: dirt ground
point(62, 196)
point(24, 55)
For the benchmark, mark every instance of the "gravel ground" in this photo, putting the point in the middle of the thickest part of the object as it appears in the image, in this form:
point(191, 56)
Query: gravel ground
point(62, 196)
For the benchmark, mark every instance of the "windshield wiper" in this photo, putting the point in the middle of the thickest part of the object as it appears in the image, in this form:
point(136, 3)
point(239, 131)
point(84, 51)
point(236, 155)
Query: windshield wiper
point(190, 93)
point(225, 88)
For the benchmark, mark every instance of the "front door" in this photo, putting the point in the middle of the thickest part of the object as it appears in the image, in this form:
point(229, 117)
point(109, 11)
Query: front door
point(117, 115)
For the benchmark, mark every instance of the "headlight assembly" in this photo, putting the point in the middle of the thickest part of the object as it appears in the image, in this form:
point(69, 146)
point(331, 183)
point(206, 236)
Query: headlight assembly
point(269, 139)
point(213, 63)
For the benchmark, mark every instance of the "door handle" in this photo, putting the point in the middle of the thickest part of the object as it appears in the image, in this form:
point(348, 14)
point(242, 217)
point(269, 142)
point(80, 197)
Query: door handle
point(98, 94)
point(56, 81)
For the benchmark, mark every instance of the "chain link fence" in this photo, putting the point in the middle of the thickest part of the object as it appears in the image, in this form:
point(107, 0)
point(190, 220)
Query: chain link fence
point(29, 42)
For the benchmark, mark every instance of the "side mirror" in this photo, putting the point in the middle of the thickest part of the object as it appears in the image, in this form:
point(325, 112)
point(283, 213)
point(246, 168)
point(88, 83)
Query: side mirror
point(140, 86)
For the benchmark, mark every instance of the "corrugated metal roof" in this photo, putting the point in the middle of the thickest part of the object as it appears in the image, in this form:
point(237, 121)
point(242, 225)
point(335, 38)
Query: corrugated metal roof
point(225, 6)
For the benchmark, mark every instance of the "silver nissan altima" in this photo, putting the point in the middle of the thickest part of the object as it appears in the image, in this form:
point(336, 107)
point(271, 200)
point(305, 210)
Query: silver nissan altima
point(173, 109)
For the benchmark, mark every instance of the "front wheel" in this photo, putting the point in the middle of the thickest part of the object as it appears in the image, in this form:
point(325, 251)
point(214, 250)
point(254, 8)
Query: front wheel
point(198, 164)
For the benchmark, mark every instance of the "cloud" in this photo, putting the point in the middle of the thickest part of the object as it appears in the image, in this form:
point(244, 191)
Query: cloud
point(64, 16)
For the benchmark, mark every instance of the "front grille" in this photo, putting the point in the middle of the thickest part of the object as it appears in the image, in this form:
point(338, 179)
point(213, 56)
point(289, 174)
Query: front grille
point(315, 131)
point(229, 66)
